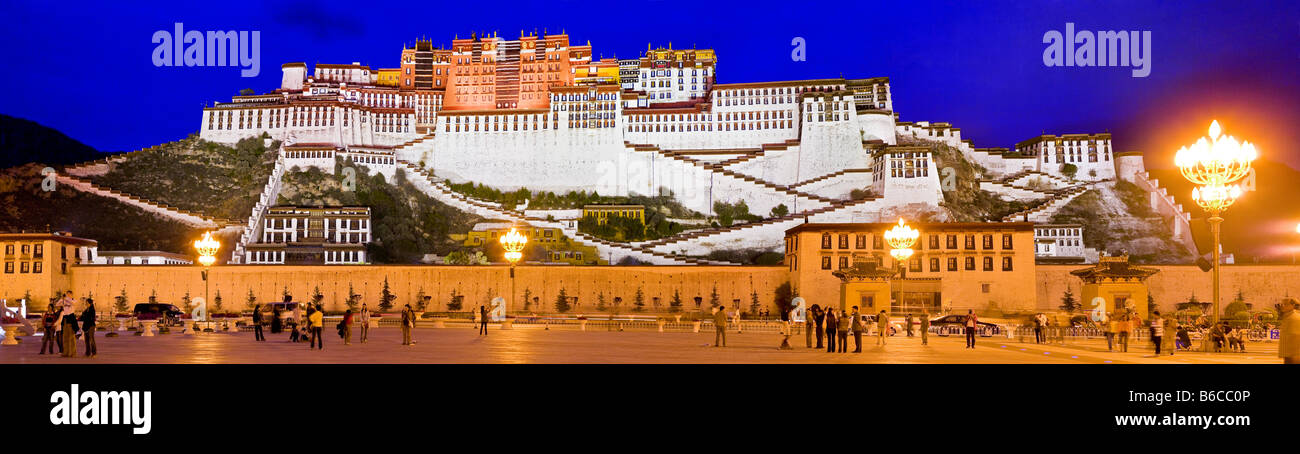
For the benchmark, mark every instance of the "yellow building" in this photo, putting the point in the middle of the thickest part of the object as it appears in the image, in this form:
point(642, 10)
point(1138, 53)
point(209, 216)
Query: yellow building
point(956, 266)
point(558, 247)
point(603, 212)
point(38, 263)
point(1113, 284)
point(389, 77)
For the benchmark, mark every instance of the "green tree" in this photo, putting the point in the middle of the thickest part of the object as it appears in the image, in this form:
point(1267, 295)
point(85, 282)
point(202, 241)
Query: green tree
point(187, 303)
point(675, 304)
point(455, 302)
point(784, 299)
point(780, 210)
point(754, 305)
point(119, 302)
point(216, 300)
point(714, 299)
point(639, 302)
point(528, 298)
point(600, 301)
point(562, 302)
point(316, 296)
point(251, 300)
point(1068, 303)
point(354, 299)
point(1069, 170)
point(386, 297)
point(420, 300)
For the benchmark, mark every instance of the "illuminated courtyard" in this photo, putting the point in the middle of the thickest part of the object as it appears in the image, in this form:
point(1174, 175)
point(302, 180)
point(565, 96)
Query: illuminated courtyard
point(460, 345)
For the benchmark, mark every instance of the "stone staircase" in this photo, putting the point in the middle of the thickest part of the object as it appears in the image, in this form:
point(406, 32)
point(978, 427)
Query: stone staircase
point(186, 217)
point(270, 196)
point(1043, 213)
point(828, 176)
point(803, 199)
point(783, 222)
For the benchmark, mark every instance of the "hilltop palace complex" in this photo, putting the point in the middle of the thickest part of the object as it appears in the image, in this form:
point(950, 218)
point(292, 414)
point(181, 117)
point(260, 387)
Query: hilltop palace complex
point(540, 113)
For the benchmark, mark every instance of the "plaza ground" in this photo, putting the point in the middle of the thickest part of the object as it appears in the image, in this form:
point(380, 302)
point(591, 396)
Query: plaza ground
point(459, 344)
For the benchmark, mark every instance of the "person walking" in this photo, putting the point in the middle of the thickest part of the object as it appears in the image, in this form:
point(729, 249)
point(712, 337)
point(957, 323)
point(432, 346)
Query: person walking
point(810, 325)
point(820, 315)
point(972, 323)
point(50, 323)
point(1157, 330)
point(857, 328)
point(276, 326)
point(882, 328)
point(1122, 329)
point(1288, 345)
point(1038, 328)
point(346, 327)
point(925, 328)
point(908, 321)
point(720, 327)
point(482, 320)
point(88, 325)
point(408, 322)
point(832, 327)
point(844, 324)
point(68, 319)
point(257, 323)
point(364, 320)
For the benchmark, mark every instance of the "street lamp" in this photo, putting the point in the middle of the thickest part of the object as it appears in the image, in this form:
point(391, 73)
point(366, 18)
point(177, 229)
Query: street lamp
point(1213, 164)
point(207, 248)
point(901, 238)
point(513, 242)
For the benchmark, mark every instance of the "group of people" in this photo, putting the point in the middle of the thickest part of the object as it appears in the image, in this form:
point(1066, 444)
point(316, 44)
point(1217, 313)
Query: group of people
point(311, 326)
point(834, 326)
point(61, 325)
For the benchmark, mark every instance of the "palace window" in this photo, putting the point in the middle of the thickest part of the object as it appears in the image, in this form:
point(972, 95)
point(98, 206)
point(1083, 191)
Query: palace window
point(952, 263)
point(952, 242)
point(876, 242)
point(844, 262)
point(970, 263)
point(934, 264)
point(826, 241)
point(970, 242)
point(914, 265)
point(934, 241)
point(1006, 263)
point(861, 242)
point(988, 241)
point(826, 263)
point(1006, 241)
point(988, 263)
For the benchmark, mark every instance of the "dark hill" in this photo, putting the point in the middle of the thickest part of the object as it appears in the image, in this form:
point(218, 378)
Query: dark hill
point(23, 141)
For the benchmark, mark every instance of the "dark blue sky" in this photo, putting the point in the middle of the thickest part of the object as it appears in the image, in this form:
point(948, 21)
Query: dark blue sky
point(86, 69)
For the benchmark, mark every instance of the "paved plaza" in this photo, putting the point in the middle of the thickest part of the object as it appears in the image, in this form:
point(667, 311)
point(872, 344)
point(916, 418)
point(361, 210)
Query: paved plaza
point(459, 344)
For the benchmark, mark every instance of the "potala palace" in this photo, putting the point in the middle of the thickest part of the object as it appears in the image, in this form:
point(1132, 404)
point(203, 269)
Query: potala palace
point(540, 113)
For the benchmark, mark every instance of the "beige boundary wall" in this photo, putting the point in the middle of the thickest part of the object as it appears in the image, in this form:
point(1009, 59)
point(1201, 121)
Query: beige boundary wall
point(479, 284)
point(1263, 285)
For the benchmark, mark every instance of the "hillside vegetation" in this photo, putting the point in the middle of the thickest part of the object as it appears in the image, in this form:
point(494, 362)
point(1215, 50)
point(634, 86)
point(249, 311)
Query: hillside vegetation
point(965, 201)
point(197, 175)
point(1117, 218)
point(406, 223)
point(117, 226)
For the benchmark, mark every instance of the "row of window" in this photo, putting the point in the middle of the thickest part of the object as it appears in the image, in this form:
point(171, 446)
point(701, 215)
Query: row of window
point(914, 265)
point(877, 242)
point(35, 250)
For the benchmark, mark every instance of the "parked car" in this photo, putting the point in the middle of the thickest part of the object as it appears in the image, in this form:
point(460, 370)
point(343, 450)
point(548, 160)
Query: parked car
point(166, 314)
point(954, 324)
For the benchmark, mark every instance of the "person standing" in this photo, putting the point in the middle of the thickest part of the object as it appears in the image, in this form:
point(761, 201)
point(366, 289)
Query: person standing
point(857, 328)
point(908, 321)
point(347, 327)
point(315, 321)
point(844, 324)
point(1038, 328)
point(720, 327)
point(1157, 330)
point(364, 320)
point(482, 320)
point(408, 321)
point(810, 325)
point(257, 323)
point(882, 327)
point(832, 327)
point(1109, 325)
point(820, 315)
point(1171, 328)
point(972, 323)
point(69, 322)
point(1288, 345)
point(295, 318)
point(925, 328)
point(88, 324)
point(50, 323)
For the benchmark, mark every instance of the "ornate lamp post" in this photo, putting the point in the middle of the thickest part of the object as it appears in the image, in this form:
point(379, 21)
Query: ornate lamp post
point(207, 248)
point(513, 242)
point(1214, 164)
point(901, 238)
